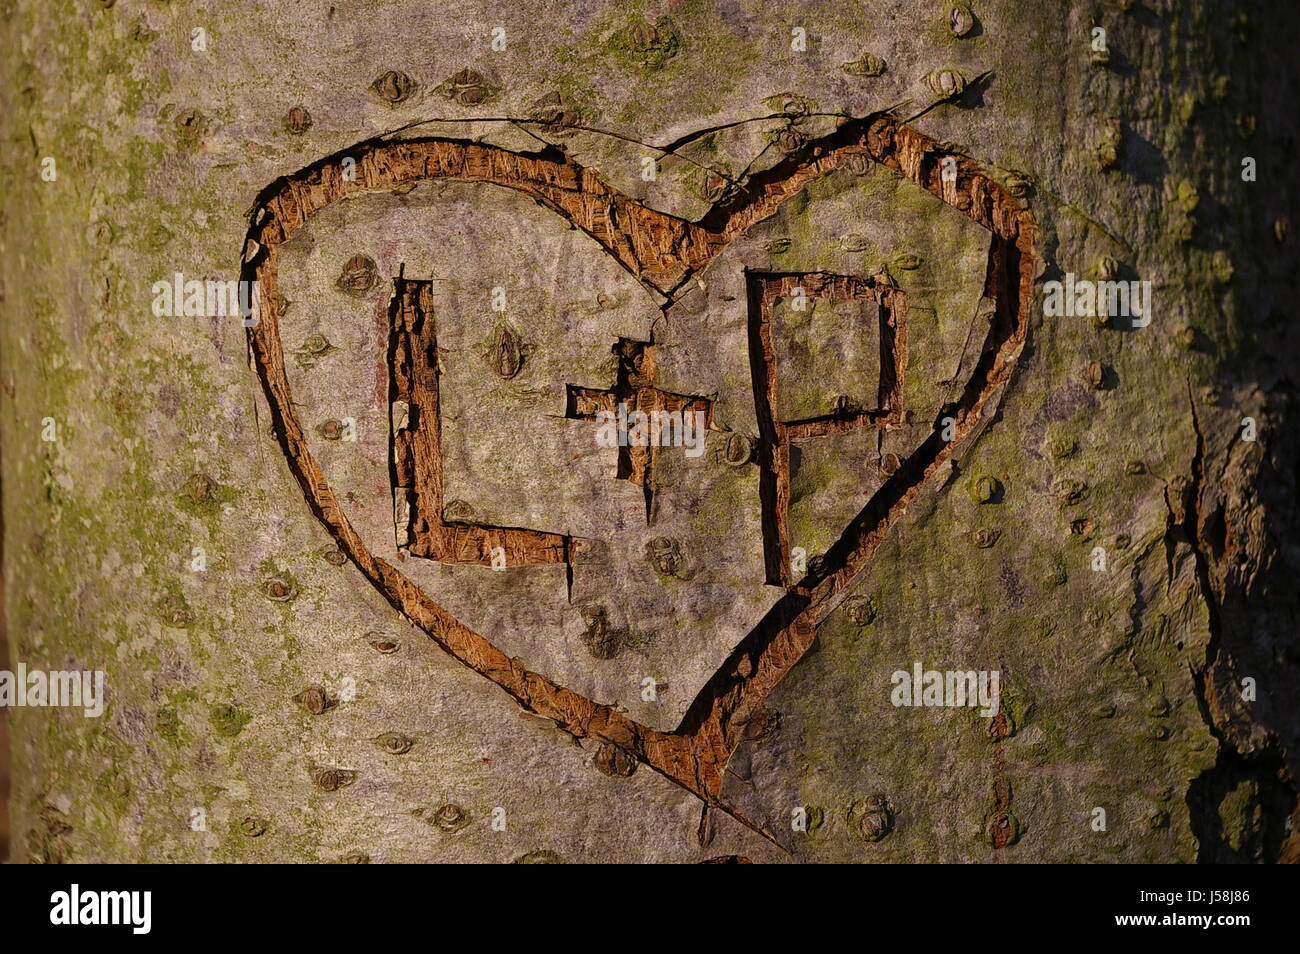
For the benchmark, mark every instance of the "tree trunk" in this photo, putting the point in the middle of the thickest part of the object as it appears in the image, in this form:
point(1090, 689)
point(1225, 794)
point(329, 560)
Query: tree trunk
point(371, 570)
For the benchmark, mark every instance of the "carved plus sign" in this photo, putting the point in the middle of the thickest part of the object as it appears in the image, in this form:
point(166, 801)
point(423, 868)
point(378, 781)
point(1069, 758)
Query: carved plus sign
point(634, 388)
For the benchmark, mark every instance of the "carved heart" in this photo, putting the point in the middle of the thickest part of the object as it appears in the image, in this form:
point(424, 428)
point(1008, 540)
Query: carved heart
point(664, 253)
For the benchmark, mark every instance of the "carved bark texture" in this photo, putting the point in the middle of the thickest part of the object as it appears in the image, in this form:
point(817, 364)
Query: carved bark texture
point(284, 685)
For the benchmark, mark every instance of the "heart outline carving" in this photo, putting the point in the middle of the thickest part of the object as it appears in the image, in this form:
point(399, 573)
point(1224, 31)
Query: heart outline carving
point(664, 252)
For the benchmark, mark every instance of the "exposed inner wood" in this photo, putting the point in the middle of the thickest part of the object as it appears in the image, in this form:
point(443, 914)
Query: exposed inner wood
point(664, 252)
point(634, 389)
point(776, 435)
point(417, 451)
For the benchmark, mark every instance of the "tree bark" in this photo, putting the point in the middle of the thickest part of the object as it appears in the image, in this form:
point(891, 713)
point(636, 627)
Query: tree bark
point(474, 232)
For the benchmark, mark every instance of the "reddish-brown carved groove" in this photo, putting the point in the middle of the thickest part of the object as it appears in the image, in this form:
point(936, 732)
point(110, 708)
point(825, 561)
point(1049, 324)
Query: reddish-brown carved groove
point(417, 451)
point(635, 389)
point(664, 252)
point(776, 435)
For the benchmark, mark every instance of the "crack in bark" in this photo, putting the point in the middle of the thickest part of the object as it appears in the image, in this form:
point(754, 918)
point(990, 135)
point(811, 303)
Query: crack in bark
point(1232, 764)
